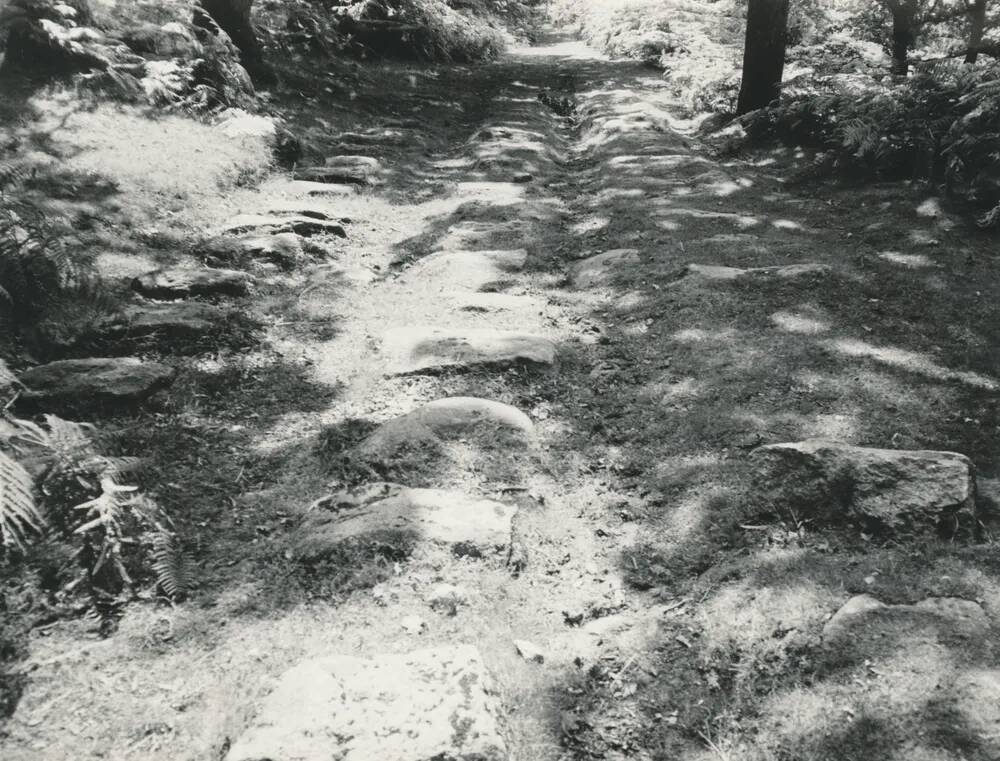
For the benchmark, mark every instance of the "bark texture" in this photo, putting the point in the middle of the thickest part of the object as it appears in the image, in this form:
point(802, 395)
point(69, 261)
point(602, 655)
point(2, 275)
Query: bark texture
point(764, 54)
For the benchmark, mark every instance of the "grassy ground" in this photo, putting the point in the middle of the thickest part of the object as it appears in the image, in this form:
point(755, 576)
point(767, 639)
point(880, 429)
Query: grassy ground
point(637, 500)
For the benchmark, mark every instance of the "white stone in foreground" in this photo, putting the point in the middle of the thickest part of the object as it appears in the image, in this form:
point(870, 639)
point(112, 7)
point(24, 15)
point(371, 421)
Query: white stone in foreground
point(429, 705)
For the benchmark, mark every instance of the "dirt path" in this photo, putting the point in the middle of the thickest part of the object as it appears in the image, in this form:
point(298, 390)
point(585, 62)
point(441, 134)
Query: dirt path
point(510, 174)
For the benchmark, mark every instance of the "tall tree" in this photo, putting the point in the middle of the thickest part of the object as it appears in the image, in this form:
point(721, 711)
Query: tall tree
point(763, 54)
point(905, 22)
point(977, 25)
point(233, 17)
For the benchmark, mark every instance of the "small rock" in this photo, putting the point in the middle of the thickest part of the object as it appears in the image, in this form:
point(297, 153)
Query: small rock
point(523, 177)
point(318, 189)
point(529, 651)
point(413, 625)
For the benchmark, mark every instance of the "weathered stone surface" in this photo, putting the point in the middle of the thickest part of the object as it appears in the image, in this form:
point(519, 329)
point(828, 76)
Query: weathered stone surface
point(445, 418)
point(103, 381)
point(318, 189)
point(413, 350)
point(342, 170)
point(470, 270)
point(273, 224)
point(893, 489)
point(379, 137)
point(427, 705)
point(402, 518)
point(181, 282)
point(182, 321)
point(600, 269)
point(783, 272)
point(864, 621)
point(283, 249)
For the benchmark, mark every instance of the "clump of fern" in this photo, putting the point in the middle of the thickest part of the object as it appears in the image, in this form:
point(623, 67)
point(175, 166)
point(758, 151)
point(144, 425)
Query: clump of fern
point(938, 126)
point(57, 484)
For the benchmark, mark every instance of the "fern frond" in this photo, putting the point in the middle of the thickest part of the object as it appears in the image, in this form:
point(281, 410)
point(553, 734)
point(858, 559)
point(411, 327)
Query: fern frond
point(169, 565)
point(20, 517)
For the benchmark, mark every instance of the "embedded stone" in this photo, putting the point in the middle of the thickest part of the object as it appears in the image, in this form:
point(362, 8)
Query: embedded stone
point(182, 282)
point(414, 350)
point(96, 381)
point(283, 249)
point(391, 516)
point(890, 488)
point(306, 226)
point(445, 419)
point(867, 623)
point(467, 269)
point(426, 705)
point(183, 320)
point(318, 189)
point(601, 269)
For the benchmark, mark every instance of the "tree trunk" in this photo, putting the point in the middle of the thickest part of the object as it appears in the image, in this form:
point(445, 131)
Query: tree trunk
point(233, 17)
point(763, 54)
point(977, 25)
point(903, 35)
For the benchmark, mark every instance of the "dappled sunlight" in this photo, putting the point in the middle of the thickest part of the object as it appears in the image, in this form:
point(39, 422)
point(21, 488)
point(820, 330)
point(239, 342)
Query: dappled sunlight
point(792, 322)
point(700, 335)
point(912, 261)
point(910, 361)
point(786, 224)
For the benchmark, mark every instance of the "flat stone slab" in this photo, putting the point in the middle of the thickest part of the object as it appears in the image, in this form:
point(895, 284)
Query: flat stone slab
point(318, 189)
point(783, 272)
point(306, 226)
point(893, 489)
point(181, 320)
point(389, 515)
point(414, 350)
point(342, 170)
point(600, 269)
point(182, 282)
point(469, 270)
point(447, 418)
point(99, 381)
point(428, 705)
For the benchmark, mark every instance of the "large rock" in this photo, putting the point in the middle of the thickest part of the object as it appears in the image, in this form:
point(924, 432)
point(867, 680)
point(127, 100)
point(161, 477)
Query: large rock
point(391, 516)
point(429, 705)
point(602, 268)
point(184, 320)
point(77, 383)
point(888, 488)
point(182, 282)
point(276, 224)
point(414, 350)
point(867, 623)
point(467, 270)
point(443, 419)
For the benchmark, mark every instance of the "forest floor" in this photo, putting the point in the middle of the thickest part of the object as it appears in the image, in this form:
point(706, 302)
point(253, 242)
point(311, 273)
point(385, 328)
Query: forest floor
point(633, 505)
